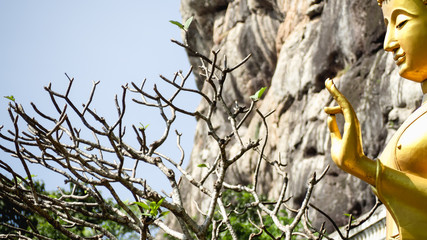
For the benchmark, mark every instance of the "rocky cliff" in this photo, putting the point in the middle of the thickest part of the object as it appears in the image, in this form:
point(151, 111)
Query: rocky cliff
point(295, 46)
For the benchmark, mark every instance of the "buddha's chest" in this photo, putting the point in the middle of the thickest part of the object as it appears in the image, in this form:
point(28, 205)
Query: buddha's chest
point(410, 147)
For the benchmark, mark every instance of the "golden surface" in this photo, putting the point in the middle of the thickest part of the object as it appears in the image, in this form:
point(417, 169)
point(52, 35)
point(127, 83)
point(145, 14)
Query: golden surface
point(399, 176)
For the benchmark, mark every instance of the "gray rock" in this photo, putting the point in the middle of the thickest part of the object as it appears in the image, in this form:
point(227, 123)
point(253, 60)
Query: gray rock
point(315, 10)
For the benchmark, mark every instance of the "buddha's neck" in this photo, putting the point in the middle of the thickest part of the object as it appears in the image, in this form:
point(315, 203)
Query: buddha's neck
point(424, 88)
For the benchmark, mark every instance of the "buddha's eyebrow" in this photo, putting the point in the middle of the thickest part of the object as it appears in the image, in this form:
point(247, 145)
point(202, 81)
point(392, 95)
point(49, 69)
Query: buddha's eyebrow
point(398, 11)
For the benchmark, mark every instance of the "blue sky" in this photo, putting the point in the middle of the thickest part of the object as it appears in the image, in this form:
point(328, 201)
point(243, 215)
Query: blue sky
point(115, 42)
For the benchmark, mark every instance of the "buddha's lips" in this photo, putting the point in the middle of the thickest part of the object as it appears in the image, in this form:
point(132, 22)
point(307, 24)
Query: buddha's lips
point(399, 58)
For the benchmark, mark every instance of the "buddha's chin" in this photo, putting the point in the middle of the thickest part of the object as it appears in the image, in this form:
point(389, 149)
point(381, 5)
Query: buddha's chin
point(413, 75)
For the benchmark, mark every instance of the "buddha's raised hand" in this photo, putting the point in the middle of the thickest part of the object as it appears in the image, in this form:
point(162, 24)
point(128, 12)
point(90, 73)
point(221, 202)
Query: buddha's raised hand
point(346, 150)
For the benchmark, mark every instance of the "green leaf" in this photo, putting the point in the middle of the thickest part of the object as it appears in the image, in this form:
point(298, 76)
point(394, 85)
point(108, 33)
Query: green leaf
point(202, 165)
point(32, 176)
point(257, 96)
point(11, 98)
point(143, 127)
point(187, 23)
point(184, 26)
point(146, 214)
point(348, 215)
point(159, 203)
point(154, 212)
point(164, 213)
point(177, 23)
point(143, 205)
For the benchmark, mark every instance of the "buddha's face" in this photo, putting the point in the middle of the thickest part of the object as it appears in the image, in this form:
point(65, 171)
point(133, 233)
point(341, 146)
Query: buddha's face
point(406, 37)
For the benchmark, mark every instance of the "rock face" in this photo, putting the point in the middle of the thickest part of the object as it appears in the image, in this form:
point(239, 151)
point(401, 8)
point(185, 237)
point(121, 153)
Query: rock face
point(295, 46)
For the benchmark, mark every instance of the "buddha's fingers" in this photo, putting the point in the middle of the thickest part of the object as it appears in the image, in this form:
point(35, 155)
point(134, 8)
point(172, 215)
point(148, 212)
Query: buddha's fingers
point(346, 108)
point(332, 122)
point(333, 110)
point(333, 128)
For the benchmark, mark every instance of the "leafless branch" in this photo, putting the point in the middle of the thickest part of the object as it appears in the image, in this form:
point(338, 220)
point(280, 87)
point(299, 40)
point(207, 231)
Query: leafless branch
point(59, 142)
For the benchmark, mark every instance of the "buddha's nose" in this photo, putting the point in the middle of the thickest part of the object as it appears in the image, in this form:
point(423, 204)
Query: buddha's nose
point(390, 42)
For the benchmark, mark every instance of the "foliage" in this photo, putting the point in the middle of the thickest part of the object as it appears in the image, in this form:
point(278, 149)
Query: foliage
point(16, 216)
point(246, 221)
point(143, 127)
point(183, 26)
point(11, 98)
point(257, 96)
point(152, 209)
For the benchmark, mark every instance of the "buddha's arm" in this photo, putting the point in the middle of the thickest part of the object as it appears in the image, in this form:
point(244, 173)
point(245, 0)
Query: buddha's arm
point(346, 150)
point(404, 195)
point(402, 188)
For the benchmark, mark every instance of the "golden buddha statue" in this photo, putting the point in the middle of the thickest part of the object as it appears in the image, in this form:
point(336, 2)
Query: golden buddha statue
point(399, 176)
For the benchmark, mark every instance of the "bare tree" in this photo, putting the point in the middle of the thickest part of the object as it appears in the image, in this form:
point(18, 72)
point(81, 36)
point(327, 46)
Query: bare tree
point(101, 162)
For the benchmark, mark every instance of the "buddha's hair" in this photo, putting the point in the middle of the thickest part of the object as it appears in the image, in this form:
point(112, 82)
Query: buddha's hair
point(380, 2)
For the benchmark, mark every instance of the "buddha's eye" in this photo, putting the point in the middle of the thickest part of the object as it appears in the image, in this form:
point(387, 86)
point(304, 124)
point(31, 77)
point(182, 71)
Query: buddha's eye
point(401, 24)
